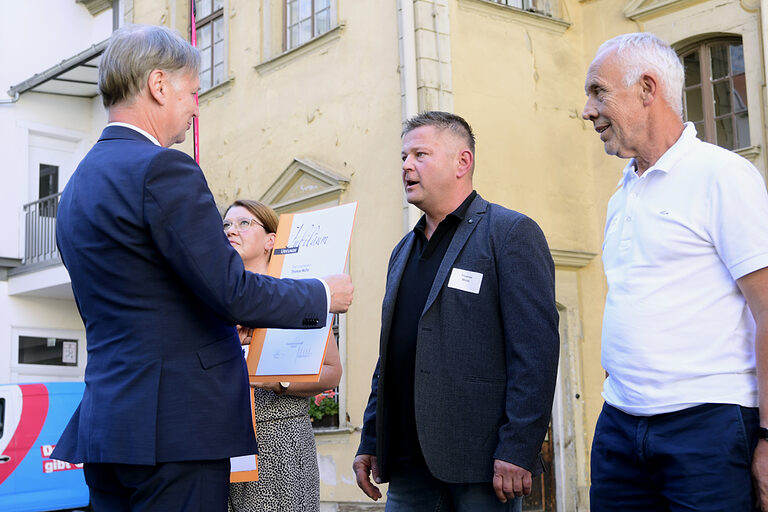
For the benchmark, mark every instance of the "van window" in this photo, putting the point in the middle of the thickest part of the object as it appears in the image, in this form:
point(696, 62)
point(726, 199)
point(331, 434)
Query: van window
point(48, 351)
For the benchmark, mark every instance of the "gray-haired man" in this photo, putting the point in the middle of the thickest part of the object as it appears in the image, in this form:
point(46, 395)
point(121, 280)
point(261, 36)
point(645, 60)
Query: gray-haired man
point(685, 328)
point(160, 291)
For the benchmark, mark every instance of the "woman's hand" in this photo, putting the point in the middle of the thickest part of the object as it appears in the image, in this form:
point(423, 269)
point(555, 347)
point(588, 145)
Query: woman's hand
point(275, 387)
point(245, 333)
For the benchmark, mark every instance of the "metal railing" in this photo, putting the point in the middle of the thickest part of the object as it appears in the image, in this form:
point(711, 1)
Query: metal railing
point(40, 230)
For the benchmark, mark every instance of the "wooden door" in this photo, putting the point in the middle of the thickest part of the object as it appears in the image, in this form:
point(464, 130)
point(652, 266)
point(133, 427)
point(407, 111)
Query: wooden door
point(542, 497)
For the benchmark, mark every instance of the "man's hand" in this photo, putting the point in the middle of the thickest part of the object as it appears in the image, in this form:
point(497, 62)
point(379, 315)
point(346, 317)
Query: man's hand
point(510, 481)
point(341, 292)
point(760, 474)
point(363, 466)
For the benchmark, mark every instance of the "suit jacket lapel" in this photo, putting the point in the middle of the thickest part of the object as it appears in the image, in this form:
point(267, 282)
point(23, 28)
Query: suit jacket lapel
point(390, 294)
point(474, 215)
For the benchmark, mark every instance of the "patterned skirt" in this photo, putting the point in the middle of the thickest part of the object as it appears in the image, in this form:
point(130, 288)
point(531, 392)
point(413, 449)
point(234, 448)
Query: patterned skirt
point(289, 480)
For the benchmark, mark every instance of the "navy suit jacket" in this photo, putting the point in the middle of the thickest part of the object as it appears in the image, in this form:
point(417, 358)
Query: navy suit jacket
point(160, 291)
point(486, 362)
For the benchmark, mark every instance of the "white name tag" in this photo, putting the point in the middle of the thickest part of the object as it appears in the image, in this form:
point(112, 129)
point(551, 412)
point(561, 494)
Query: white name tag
point(465, 280)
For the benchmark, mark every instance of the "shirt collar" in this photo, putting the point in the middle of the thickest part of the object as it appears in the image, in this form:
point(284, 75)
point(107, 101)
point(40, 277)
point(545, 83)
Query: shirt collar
point(456, 215)
point(136, 128)
point(668, 160)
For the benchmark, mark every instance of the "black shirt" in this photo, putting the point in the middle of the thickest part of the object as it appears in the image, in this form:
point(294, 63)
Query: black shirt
point(416, 282)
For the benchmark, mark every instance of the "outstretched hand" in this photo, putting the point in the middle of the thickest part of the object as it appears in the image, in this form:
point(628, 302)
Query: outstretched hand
point(341, 289)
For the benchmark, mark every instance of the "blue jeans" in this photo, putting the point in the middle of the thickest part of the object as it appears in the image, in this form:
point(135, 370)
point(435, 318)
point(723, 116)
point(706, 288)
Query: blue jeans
point(416, 490)
point(695, 459)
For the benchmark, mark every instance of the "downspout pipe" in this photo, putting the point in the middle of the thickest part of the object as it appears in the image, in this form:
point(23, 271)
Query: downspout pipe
point(14, 99)
point(408, 59)
point(408, 86)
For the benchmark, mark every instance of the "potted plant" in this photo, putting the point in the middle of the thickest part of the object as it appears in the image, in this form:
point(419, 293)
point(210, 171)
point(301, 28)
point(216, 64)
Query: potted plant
point(324, 409)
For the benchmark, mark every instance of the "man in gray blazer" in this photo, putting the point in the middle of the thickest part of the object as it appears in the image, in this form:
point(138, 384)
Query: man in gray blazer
point(462, 393)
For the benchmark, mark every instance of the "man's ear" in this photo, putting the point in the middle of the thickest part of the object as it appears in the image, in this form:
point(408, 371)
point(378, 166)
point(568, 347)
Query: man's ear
point(157, 85)
point(464, 161)
point(649, 88)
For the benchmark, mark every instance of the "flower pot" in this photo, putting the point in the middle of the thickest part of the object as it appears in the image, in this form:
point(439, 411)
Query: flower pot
point(327, 421)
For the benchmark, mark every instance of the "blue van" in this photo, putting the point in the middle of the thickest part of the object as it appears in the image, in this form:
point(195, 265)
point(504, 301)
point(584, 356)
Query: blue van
point(32, 417)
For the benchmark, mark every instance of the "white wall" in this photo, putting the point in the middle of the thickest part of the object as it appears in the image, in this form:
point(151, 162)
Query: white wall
point(35, 35)
point(32, 313)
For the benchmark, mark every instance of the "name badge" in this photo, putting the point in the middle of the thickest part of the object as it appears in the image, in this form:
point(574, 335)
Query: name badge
point(465, 280)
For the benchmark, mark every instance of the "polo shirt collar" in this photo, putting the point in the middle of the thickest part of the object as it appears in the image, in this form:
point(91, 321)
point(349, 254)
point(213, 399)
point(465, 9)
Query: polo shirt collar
point(668, 160)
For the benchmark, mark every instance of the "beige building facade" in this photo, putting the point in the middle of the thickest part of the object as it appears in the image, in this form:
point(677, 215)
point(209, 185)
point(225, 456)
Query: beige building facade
point(326, 115)
point(303, 108)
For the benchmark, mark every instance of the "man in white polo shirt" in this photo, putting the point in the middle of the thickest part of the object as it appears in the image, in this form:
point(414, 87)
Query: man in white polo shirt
point(685, 329)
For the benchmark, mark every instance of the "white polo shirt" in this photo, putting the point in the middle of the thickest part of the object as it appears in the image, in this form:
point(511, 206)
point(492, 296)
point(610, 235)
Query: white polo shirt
point(676, 330)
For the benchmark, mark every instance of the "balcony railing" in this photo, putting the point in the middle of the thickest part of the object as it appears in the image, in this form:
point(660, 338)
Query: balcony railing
point(40, 230)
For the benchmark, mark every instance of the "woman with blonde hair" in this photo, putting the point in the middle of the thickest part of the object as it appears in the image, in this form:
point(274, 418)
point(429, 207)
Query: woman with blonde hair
point(288, 474)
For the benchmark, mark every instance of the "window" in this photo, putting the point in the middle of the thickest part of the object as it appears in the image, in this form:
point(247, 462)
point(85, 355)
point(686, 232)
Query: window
point(305, 186)
point(41, 354)
point(325, 407)
point(209, 22)
point(47, 351)
point(539, 6)
point(49, 186)
point(715, 92)
point(306, 19)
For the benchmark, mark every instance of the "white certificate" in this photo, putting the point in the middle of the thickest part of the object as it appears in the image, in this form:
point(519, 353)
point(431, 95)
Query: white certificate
point(308, 244)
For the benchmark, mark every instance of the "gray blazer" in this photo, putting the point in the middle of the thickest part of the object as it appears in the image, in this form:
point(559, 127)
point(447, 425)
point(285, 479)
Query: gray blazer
point(486, 363)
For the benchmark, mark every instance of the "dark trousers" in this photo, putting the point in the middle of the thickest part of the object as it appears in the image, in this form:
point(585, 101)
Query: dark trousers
point(698, 459)
point(414, 489)
point(193, 486)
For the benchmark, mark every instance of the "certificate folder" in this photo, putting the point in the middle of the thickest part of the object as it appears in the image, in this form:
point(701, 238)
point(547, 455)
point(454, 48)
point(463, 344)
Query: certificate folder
point(307, 244)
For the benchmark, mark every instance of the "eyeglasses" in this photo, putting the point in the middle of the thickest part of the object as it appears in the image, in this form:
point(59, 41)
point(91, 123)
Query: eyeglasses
point(240, 225)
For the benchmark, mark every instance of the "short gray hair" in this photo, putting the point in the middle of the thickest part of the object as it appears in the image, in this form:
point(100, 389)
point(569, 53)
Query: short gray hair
point(640, 52)
point(133, 52)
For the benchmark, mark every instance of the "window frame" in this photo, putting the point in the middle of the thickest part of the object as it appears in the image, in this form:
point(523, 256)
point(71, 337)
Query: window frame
point(339, 332)
point(706, 84)
point(328, 194)
point(530, 6)
point(23, 370)
point(210, 19)
point(332, 23)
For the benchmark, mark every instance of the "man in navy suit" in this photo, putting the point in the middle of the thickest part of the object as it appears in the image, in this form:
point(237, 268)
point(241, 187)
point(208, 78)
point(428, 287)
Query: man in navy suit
point(462, 394)
point(160, 291)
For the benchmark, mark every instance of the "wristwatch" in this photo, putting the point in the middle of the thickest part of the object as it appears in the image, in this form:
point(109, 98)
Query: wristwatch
point(762, 433)
point(283, 387)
